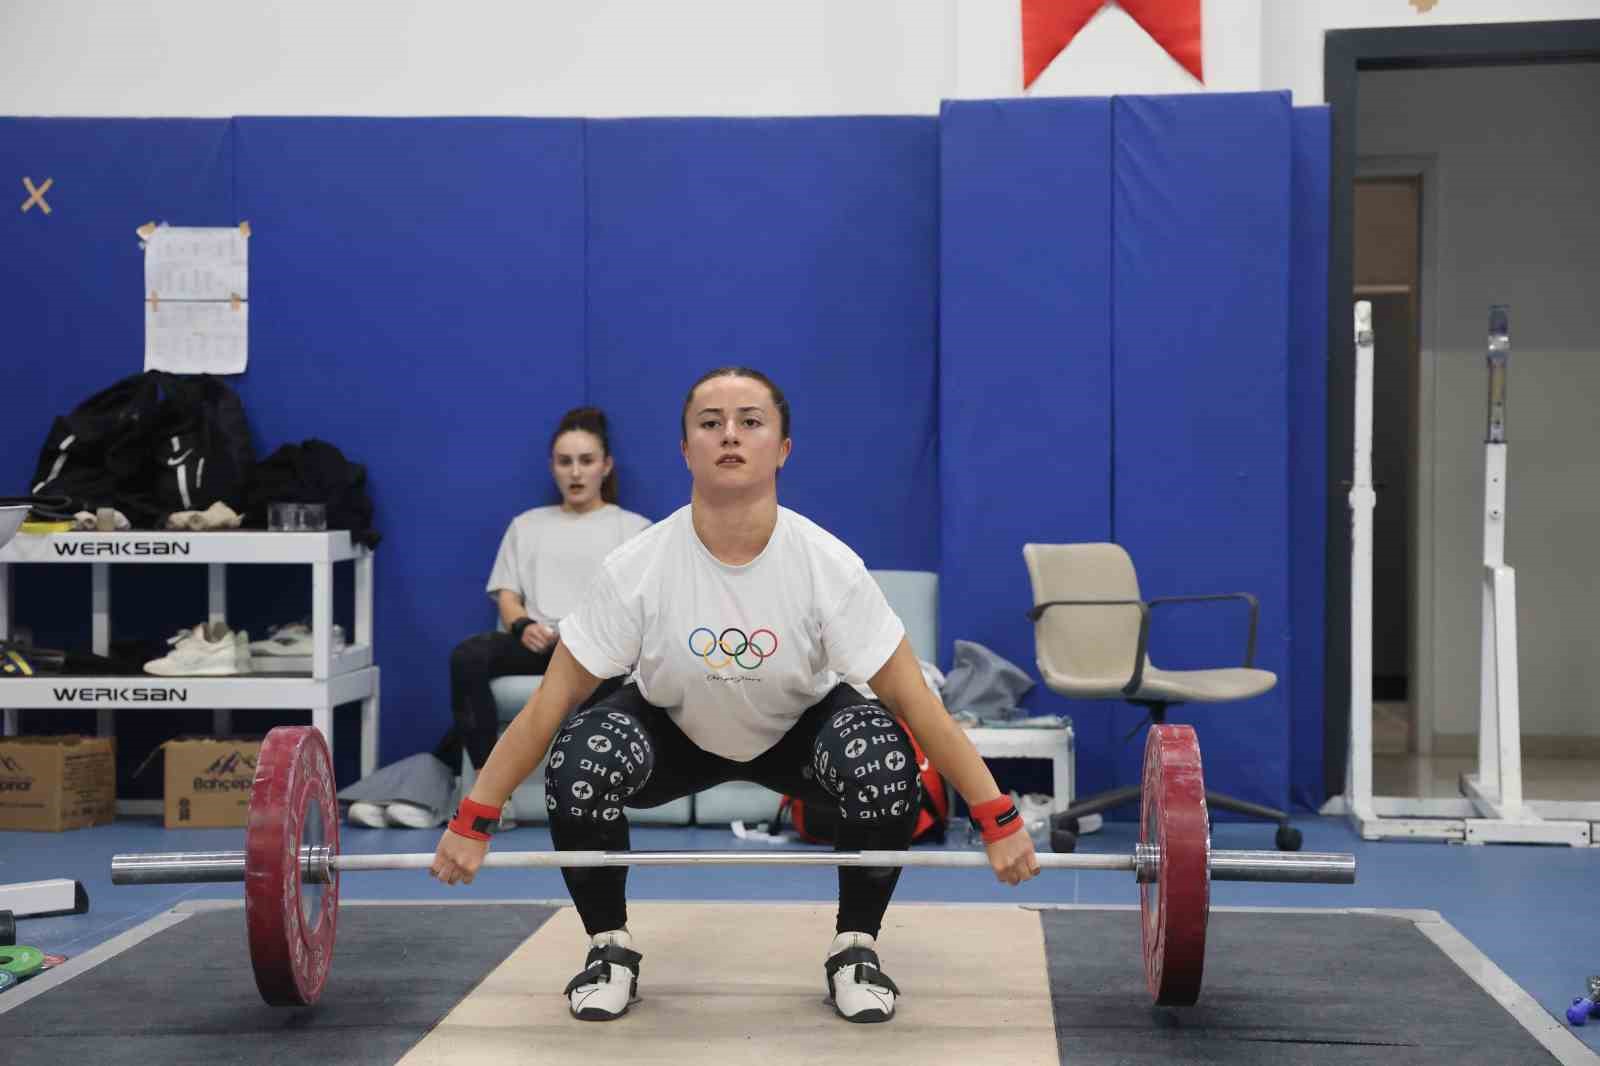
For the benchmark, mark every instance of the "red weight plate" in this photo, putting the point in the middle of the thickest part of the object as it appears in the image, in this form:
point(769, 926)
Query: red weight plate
point(291, 923)
point(1176, 905)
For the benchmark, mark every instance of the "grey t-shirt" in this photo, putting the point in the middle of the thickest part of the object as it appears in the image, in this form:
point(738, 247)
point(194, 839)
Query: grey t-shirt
point(549, 556)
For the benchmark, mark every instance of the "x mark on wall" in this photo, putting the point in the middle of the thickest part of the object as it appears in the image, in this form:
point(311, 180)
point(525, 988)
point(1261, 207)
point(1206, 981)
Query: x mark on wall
point(36, 196)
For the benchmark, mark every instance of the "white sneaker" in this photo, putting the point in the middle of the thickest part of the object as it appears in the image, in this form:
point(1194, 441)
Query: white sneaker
point(858, 989)
point(207, 650)
point(293, 639)
point(508, 816)
point(412, 816)
point(367, 814)
point(609, 983)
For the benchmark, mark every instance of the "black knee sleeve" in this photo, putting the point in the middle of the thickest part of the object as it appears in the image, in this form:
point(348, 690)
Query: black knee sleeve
point(863, 758)
point(599, 759)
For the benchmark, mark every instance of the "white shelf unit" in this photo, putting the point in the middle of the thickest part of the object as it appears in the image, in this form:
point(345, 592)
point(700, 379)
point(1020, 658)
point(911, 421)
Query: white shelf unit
point(335, 677)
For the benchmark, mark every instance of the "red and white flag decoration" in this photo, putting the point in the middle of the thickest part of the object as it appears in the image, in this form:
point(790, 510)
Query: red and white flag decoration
point(1048, 26)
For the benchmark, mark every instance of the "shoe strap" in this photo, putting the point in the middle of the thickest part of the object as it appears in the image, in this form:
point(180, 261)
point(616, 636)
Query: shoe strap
point(867, 968)
point(597, 966)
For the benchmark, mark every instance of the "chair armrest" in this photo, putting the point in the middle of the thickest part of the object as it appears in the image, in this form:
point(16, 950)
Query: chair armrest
point(1255, 611)
point(1137, 677)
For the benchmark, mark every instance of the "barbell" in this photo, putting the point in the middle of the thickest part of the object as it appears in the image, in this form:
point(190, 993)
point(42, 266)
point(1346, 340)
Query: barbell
point(291, 865)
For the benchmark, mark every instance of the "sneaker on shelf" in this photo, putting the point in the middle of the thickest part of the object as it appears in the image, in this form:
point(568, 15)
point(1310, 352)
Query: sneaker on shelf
point(508, 816)
point(367, 814)
point(207, 650)
point(412, 816)
point(857, 986)
point(293, 639)
point(609, 982)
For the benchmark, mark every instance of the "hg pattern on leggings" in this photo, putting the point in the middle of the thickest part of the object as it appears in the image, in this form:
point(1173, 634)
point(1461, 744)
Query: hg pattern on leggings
point(862, 758)
point(599, 759)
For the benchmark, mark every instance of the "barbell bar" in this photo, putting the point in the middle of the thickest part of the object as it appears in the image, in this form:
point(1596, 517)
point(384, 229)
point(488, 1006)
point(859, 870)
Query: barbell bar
point(320, 864)
point(291, 865)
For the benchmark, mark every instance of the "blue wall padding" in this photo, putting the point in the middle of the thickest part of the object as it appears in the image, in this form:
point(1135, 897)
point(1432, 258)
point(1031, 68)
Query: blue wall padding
point(1308, 447)
point(417, 299)
point(71, 285)
point(806, 248)
point(1046, 320)
point(70, 298)
point(1025, 367)
point(1201, 232)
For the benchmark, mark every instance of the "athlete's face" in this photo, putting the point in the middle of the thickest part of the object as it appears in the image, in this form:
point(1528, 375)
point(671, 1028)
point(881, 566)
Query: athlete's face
point(734, 436)
point(579, 463)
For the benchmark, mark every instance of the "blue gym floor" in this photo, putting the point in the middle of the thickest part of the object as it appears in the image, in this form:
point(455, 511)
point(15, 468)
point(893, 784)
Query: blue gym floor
point(1532, 910)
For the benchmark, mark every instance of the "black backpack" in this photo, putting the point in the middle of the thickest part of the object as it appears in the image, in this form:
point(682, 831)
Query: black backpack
point(151, 444)
point(202, 445)
point(99, 453)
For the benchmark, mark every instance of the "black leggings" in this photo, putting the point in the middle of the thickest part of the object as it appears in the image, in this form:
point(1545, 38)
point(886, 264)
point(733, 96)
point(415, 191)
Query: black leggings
point(474, 663)
point(846, 752)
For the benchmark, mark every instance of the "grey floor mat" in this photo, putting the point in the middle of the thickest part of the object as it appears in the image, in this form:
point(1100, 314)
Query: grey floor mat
point(186, 995)
point(1280, 988)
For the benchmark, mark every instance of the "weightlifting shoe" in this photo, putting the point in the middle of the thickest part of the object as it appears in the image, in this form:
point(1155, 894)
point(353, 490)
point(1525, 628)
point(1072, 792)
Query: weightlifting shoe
point(609, 983)
point(857, 987)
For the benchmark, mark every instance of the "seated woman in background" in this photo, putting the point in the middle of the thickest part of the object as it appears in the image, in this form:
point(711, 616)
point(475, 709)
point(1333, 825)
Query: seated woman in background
point(547, 559)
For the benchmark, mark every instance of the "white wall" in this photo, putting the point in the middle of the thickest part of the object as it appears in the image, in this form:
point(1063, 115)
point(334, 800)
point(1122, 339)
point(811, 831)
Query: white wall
point(215, 58)
point(1516, 158)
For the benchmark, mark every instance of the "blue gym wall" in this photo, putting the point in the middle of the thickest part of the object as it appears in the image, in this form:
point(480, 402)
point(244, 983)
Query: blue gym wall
point(1128, 352)
point(1026, 320)
point(806, 248)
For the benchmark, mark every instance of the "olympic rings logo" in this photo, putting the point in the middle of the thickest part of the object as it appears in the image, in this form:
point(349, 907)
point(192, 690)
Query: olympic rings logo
point(734, 645)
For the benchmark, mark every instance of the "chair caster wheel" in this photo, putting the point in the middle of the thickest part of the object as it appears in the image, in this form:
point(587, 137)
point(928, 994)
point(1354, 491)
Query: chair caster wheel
point(1063, 841)
point(1065, 822)
point(1288, 838)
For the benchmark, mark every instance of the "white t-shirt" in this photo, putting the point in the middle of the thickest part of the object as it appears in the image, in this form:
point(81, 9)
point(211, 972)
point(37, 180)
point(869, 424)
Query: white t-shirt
point(735, 654)
point(549, 556)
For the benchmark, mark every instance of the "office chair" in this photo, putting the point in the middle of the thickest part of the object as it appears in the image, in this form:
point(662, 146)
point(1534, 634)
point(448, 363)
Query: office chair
point(1091, 631)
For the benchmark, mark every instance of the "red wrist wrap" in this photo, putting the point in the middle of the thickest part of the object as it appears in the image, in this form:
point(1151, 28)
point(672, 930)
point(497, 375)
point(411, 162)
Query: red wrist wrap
point(996, 819)
point(467, 817)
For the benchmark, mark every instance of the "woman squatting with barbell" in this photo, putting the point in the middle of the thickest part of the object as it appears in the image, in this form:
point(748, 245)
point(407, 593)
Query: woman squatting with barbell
point(745, 627)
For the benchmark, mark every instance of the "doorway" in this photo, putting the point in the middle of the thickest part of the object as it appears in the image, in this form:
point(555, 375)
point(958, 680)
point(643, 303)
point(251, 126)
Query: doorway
point(1347, 55)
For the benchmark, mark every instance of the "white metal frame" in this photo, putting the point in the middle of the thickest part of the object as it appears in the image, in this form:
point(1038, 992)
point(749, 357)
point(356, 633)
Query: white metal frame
point(336, 677)
point(1492, 808)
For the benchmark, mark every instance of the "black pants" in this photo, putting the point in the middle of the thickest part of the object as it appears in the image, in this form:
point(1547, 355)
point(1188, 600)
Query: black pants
point(846, 752)
point(474, 663)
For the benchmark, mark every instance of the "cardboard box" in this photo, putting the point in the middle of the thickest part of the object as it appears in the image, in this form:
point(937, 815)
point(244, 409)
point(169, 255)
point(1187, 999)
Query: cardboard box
point(56, 783)
point(208, 782)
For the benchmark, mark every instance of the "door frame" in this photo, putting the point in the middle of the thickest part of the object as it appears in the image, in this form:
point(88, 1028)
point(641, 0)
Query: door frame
point(1346, 53)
